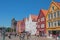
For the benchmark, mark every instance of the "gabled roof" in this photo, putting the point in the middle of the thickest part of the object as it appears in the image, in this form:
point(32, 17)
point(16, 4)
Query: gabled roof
point(26, 19)
point(44, 12)
point(20, 22)
point(34, 17)
point(58, 3)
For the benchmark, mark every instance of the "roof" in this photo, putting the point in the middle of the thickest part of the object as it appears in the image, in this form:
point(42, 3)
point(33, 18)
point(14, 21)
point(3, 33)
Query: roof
point(58, 3)
point(44, 12)
point(34, 17)
point(20, 22)
point(25, 19)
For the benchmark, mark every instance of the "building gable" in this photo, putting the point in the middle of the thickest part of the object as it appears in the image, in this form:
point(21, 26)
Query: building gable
point(53, 6)
point(41, 14)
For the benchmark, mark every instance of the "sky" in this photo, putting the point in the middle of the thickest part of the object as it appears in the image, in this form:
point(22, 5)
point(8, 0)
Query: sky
point(20, 9)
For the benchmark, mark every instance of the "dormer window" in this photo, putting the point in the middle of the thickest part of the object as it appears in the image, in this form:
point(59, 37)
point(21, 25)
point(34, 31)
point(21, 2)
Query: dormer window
point(52, 7)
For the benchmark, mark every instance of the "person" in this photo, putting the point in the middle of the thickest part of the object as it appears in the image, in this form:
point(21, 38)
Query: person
point(28, 35)
point(22, 35)
point(15, 34)
point(9, 36)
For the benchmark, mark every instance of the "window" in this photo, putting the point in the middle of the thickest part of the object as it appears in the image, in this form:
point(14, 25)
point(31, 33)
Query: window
point(58, 13)
point(50, 16)
point(54, 23)
point(52, 7)
point(54, 15)
point(59, 23)
point(42, 19)
point(48, 24)
point(42, 25)
point(38, 26)
point(51, 24)
point(38, 20)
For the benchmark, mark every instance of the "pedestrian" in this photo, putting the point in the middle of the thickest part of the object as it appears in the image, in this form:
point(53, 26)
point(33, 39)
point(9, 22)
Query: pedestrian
point(9, 36)
point(23, 36)
point(15, 34)
point(20, 36)
point(28, 35)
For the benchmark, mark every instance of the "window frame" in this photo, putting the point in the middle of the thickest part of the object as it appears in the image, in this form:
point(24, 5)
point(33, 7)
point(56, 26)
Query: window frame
point(42, 19)
point(42, 25)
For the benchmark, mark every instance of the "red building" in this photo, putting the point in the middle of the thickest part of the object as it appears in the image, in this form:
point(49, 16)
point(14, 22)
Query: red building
point(41, 25)
point(20, 26)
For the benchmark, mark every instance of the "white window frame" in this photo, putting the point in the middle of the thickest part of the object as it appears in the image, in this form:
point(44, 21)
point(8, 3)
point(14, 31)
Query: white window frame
point(58, 22)
point(38, 20)
point(54, 24)
point(58, 14)
point(54, 15)
point(42, 19)
point(42, 25)
point(50, 16)
point(49, 24)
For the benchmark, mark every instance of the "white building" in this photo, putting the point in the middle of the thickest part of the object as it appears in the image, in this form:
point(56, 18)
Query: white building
point(30, 24)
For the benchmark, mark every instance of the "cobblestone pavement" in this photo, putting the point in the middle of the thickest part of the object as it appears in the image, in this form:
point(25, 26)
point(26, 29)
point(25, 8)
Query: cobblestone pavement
point(31, 38)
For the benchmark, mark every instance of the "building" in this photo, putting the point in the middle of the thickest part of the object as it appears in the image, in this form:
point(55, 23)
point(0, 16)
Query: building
point(13, 25)
point(53, 19)
point(20, 27)
point(41, 24)
point(30, 24)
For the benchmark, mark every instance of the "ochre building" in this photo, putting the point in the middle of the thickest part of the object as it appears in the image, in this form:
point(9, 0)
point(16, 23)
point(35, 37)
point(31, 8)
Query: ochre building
point(53, 19)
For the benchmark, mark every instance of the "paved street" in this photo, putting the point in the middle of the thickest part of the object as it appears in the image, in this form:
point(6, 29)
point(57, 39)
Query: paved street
point(32, 38)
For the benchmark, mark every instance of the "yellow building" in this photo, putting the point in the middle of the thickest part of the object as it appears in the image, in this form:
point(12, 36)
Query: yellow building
point(53, 19)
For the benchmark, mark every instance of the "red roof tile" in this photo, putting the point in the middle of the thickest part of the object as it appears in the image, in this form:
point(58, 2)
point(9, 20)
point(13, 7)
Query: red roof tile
point(44, 12)
point(34, 17)
point(58, 3)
